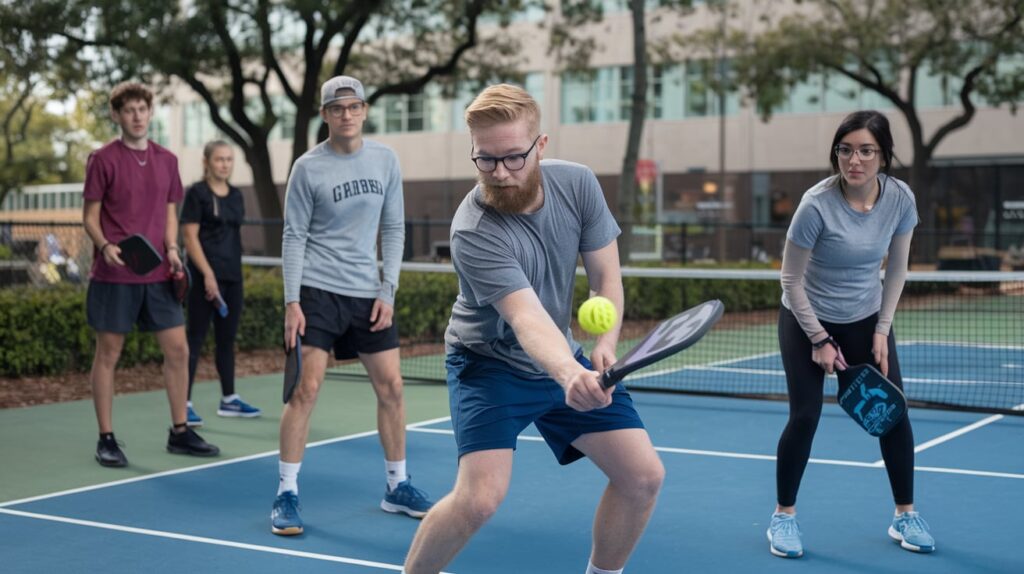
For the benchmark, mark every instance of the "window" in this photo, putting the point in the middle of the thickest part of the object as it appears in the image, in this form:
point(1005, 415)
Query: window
point(605, 95)
point(197, 127)
point(158, 127)
point(283, 108)
point(401, 113)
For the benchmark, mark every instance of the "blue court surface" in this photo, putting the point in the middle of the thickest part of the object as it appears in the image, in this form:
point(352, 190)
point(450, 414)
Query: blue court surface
point(711, 516)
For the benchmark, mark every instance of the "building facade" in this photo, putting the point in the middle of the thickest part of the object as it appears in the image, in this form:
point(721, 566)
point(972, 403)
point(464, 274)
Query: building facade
point(719, 182)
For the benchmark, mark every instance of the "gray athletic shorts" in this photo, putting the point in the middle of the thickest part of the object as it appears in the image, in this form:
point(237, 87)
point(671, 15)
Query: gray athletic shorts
point(117, 307)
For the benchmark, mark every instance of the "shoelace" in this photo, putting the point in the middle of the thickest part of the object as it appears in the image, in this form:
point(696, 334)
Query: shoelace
point(914, 524)
point(411, 492)
point(290, 506)
point(788, 528)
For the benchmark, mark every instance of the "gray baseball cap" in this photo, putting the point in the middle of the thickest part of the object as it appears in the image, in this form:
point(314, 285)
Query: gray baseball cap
point(331, 91)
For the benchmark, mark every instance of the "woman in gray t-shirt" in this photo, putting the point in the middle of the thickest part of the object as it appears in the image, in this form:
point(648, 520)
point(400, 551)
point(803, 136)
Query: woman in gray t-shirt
point(835, 311)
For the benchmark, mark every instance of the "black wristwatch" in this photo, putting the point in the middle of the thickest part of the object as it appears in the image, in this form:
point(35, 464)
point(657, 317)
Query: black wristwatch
point(826, 341)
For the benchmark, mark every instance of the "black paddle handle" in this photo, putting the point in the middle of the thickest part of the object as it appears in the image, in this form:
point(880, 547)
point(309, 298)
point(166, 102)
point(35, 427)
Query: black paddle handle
point(609, 378)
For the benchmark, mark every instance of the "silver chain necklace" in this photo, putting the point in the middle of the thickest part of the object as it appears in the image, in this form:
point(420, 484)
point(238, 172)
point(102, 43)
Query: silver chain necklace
point(136, 158)
point(145, 155)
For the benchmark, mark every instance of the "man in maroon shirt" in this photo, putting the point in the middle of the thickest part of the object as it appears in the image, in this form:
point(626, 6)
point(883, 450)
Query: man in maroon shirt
point(132, 187)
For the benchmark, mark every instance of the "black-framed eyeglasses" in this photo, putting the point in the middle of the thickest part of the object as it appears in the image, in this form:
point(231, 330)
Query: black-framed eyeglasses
point(339, 110)
point(865, 153)
point(513, 161)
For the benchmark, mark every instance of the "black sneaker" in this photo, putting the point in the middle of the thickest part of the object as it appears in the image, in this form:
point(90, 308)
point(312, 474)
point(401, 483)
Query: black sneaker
point(191, 443)
point(108, 453)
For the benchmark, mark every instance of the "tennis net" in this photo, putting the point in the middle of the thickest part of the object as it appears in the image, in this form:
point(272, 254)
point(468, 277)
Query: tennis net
point(960, 335)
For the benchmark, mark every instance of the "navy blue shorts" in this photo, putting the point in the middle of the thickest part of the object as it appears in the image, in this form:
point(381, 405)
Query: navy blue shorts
point(342, 324)
point(118, 307)
point(492, 402)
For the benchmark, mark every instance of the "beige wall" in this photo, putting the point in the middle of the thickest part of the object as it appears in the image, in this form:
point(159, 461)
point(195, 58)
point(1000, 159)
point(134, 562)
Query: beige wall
point(788, 142)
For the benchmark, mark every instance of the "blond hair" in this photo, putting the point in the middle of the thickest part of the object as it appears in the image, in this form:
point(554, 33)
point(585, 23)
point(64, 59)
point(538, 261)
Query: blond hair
point(208, 149)
point(503, 103)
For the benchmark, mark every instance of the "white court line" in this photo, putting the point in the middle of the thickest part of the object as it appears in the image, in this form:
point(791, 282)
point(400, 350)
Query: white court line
point(967, 344)
point(705, 367)
point(416, 426)
point(778, 373)
point(204, 540)
point(748, 456)
point(193, 468)
point(953, 434)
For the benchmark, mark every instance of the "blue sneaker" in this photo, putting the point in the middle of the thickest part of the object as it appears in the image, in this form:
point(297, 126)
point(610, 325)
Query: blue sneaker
point(193, 419)
point(237, 408)
point(406, 498)
point(784, 536)
point(912, 532)
point(284, 518)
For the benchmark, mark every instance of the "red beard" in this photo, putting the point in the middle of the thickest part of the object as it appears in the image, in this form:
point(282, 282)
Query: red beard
point(512, 198)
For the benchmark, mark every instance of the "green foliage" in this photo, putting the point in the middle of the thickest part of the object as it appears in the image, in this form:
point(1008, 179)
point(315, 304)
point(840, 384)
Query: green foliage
point(262, 322)
point(44, 331)
point(878, 45)
point(252, 61)
point(37, 146)
point(660, 298)
point(34, 324)
point(425, 303)
point(28, 155)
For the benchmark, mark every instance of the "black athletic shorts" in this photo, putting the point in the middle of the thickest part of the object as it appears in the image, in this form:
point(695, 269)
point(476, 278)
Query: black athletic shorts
point(342, 323)
point(117, 307)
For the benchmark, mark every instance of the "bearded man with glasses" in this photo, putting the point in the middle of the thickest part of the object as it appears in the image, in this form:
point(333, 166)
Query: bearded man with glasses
point(512, 359)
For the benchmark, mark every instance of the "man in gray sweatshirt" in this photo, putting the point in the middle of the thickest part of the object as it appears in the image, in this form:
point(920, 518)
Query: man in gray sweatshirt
point(340, 195)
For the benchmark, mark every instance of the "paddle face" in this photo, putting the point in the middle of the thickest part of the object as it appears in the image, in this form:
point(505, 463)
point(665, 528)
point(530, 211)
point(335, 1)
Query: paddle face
point(292, 369)
point(139, 255)
point(668, 338)
point(181, 282)
point(871, 400)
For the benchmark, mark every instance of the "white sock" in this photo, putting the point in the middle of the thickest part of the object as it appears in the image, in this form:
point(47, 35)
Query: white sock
point(591, 569)
point(190, 404)
point(395, 472)
point(289, 476)
point(230, 398)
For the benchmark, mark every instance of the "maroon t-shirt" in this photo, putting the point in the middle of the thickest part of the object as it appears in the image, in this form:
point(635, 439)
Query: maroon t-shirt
point(134, 188)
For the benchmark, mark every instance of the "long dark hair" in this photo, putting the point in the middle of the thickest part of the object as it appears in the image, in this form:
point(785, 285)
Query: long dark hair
point(874, 122)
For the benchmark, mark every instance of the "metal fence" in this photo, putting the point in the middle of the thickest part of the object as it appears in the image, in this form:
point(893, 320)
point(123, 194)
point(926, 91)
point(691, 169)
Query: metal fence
point(49, 252)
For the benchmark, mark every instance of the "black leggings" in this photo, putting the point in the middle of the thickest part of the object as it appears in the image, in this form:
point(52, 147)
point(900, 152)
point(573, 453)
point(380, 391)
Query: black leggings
point(805, 381)
point(224, 330)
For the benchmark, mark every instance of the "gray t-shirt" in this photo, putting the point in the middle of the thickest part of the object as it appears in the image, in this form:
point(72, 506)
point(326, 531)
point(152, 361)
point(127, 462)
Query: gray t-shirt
point(334, 208)
point(847, 246)
point(497, 253)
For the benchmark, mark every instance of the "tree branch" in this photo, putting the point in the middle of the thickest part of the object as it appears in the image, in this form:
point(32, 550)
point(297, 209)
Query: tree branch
point(416, 85)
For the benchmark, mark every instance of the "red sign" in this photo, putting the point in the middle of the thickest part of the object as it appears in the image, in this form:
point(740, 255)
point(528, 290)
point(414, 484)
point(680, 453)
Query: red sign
point(646, 171)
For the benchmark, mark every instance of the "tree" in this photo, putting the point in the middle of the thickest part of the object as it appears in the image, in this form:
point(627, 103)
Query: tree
point(574, 47)
point(36, 145)
point(884, 46)
point(238, 55)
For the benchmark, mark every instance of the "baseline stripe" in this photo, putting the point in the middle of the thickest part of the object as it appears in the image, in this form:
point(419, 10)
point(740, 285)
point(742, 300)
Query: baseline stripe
point(203, 540)
point(750, 456)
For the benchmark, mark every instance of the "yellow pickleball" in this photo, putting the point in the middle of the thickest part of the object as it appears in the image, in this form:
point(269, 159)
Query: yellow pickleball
point(597, 315)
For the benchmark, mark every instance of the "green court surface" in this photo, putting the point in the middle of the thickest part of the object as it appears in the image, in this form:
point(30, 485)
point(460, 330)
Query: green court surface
point(49, 448)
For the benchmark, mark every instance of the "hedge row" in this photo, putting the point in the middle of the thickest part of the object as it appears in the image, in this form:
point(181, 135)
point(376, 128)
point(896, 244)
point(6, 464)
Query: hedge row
point(44, 331)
